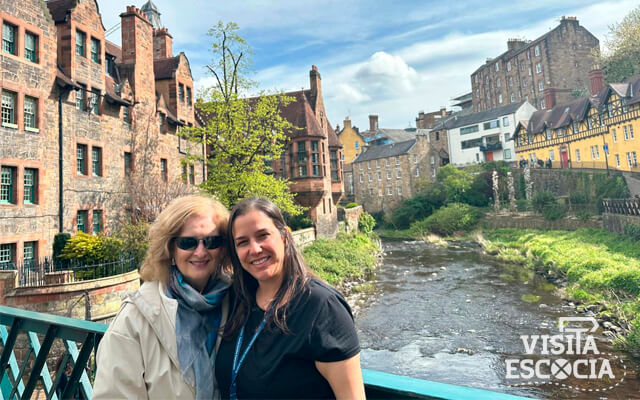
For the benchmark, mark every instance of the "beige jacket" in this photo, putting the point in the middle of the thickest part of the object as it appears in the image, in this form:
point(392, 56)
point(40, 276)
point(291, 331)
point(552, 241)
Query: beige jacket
point(138, 356)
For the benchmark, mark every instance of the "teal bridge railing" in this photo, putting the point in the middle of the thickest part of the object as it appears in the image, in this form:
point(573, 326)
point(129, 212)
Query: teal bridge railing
point(40, 337)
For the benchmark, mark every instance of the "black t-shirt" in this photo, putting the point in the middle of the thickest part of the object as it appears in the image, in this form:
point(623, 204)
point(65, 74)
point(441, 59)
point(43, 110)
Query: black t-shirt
point(281, 365)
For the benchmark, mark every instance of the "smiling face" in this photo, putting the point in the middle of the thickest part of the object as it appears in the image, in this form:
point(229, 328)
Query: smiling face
point(260, 247)
point(198, 265)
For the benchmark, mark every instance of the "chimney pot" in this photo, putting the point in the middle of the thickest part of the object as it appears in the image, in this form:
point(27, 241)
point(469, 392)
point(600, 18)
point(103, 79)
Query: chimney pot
point(373, 123)
point(596, 75)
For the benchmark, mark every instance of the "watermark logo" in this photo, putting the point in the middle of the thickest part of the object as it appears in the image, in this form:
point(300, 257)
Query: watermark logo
point(568, 359)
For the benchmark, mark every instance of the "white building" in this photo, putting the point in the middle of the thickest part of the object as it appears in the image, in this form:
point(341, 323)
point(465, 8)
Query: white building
point(484, 136)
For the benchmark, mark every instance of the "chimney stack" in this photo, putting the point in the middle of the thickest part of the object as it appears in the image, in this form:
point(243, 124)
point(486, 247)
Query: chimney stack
point(347, 123)
point(373, 123)
point(137, 51)
point(550, 97)
point(443, 111)
point(315, 83)
point(597, 79)
point(162, 44)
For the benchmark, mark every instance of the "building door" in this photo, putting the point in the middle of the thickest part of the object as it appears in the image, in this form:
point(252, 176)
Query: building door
point(489, 156)
point(564, 157)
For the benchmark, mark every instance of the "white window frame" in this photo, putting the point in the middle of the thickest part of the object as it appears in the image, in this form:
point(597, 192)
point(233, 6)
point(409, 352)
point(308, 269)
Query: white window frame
point(617, 160)
point(536, 50)
point(578, 155)
point(538, 68)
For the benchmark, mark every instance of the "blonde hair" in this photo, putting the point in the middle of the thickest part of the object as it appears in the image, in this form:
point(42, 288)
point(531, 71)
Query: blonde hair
point(169, 224)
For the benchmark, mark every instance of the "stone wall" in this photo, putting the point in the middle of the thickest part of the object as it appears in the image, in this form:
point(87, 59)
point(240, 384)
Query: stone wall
point(304, 237)
point(529, 221)
point(559, 181)
point(103, 296)
point(616, 222)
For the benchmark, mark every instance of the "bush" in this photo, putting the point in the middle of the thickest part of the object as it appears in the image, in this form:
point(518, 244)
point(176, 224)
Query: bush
point(59, 241)
point(632, 230)
point(351, 205)
point(523, 205)
point(554, 211)
point(584, 215)
point(448, 220)
point(579, 198)
point(541, 200)
point(418, 207)
point(135, 238)
point(89, 249)
point(366, 223)
point(300, 221)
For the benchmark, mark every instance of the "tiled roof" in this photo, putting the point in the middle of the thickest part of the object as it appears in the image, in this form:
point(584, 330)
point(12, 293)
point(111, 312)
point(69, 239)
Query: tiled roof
point(332, 136)
point(60, 8)
point(384, 151)
point(165, 67)
point(301, 115)
point(111, 93)
point(457, 120)
point(63, 80)
point(114, 50)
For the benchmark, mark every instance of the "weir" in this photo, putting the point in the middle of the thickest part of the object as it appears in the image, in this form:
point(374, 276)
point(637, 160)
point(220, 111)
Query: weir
point(53, 337)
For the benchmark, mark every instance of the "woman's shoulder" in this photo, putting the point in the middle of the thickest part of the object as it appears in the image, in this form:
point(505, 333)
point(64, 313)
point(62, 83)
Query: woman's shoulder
point(320, 293)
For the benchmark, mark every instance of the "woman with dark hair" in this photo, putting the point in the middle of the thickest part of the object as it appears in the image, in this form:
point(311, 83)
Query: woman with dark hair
point(290, 334)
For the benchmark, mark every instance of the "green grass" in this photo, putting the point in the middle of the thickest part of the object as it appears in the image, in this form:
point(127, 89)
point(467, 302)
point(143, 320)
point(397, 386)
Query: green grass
point(599, 266)
point(347, 257)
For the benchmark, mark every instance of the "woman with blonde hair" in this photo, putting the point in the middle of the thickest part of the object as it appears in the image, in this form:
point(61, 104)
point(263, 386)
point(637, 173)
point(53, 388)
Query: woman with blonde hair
point(163, 341)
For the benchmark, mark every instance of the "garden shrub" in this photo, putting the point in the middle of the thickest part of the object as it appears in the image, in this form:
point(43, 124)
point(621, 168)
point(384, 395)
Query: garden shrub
point(418, 207)
point(579, 198)
point(448, 220)
point(541, 200)
point(523, 205)
point(135, 238)
point(88, 249)
point(59, 241)
point(554, 211)
point(300, 221)
point(366, 223)
point(632, 231)
point(351, 205)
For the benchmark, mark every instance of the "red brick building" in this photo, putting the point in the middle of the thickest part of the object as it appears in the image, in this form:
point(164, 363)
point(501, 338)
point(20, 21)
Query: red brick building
point(74, 107)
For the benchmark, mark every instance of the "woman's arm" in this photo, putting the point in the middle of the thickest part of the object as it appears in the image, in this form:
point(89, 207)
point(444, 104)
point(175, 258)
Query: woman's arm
point(344, 377)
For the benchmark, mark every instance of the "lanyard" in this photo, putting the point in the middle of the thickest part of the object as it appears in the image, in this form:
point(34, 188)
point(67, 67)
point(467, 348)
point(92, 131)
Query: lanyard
point(237, 363)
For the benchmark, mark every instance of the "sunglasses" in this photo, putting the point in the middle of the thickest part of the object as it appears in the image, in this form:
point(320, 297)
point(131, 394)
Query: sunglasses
point(192, 243)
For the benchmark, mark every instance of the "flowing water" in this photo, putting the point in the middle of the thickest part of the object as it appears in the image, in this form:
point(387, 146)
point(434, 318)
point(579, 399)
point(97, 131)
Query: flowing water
point(454, 315)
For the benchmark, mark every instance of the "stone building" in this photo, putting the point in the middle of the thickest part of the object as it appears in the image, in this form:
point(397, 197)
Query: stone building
point(430, 119)
point(386, 174)
point(595, 132)
point(559, 60)
point(353, 144)
point(74, 107)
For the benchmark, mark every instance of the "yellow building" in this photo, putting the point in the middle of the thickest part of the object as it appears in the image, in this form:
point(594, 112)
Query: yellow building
point(352, 141)
point(597, 132)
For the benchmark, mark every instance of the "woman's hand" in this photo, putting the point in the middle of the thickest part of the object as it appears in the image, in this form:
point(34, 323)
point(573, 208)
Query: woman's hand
point(344, 377)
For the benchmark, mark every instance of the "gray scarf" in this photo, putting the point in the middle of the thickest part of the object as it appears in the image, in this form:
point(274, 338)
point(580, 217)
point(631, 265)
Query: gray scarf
point(197, 323)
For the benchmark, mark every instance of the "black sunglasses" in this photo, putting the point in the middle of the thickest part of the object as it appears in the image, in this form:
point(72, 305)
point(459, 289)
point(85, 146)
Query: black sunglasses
point(191, 243)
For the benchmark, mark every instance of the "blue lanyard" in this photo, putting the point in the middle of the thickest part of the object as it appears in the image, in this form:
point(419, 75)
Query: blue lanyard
point(237, 363)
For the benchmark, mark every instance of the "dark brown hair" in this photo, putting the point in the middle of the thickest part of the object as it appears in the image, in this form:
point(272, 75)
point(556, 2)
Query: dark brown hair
point(295, 272)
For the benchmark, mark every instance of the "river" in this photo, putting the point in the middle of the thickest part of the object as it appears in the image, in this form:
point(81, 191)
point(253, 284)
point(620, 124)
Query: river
point(455, 315)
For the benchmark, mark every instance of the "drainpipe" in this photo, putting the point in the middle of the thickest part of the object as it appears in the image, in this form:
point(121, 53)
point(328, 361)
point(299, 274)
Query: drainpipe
point(60, 165)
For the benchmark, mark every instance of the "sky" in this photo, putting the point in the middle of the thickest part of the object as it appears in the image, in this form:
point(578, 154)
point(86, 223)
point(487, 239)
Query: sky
point(392, 58)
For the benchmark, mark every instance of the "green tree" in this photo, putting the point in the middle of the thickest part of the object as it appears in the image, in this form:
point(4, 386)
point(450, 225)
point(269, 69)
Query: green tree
point(245, 135)
point(621, 58)
point(456, 183)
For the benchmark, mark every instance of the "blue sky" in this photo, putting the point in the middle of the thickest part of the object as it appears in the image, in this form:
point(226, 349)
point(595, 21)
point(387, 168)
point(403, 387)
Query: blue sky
point(392, 58)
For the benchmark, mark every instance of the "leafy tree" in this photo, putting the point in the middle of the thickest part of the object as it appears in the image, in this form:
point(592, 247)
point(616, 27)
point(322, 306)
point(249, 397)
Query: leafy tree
point(622, 56)
point(244, 135)
point(456, 182)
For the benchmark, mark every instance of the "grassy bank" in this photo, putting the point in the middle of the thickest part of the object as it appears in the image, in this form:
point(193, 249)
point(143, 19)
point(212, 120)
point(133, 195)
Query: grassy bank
point(600, 267)
point(347, 257)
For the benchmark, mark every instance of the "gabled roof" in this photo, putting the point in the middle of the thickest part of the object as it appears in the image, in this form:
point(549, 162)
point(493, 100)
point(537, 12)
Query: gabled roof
point(114, 50)
point(386, 150)
point(396, 135)
point(302, 116)
point(60, 8)
point(332, 136)
point(457, 120)
point(165, 68)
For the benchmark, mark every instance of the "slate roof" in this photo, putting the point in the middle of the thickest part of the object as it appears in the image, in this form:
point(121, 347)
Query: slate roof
point(301, 115)
point(385, 150)
point(164, 68)
point(458, 120)
point(396, 135)
point(111, 94)
point(114, 50)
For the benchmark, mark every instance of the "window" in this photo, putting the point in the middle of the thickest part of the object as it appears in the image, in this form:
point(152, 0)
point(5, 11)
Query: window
point(497, 68)
point(397, 160)
point(96, 222)
point(536, 50)
point(379, 176)
point(540, 86)
point(80, 98)
point(30, 47)
point(578, 155)
point(593, 153)
point(510, 81)
point(507, 154)
point(505, 121)
point(361, 178)
point(538, 68)
point(80, 39)
point(432, 160)
point(630, 131)
point(530, 71)
point(548, 133)
point(302, 171)
point(184, 173)
point(369, 178)
point(360, 166)
point(468, 144)
point(81, 159)
point(597, 152)
point(508, 66)
point(94, 102)
point(543, 104)
point(617, 160)
point(110, 66)
point(629, 160)
point(626, 134)
point(469, 129)
point(389, 191)
point(551, 155)
point(498, 82)
point(437, 136)
point(492, 124)
point(399, 190)
point(81, 223)
point(30, 253)
point(635, 158)
point(95, 50)
point(368, 164)
point(8, 108)
point(380, 192)
point(181, 93)
point(189, 96)
point(7, 254)
point(30, 186)
point(398, 173)
point(525, 82)
point(377, 163)
point(315, 159)
point(614, 134)
point(388, 175)
point(30, 113)
point(126, 115)
point(506, 137)
point(9, 38)
point(513, 98)
point(357, 145)
point(386, 162)
point(192, 174)
point(499, 99)
point(575, 126)
point(128, 163)
point(8, 185)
